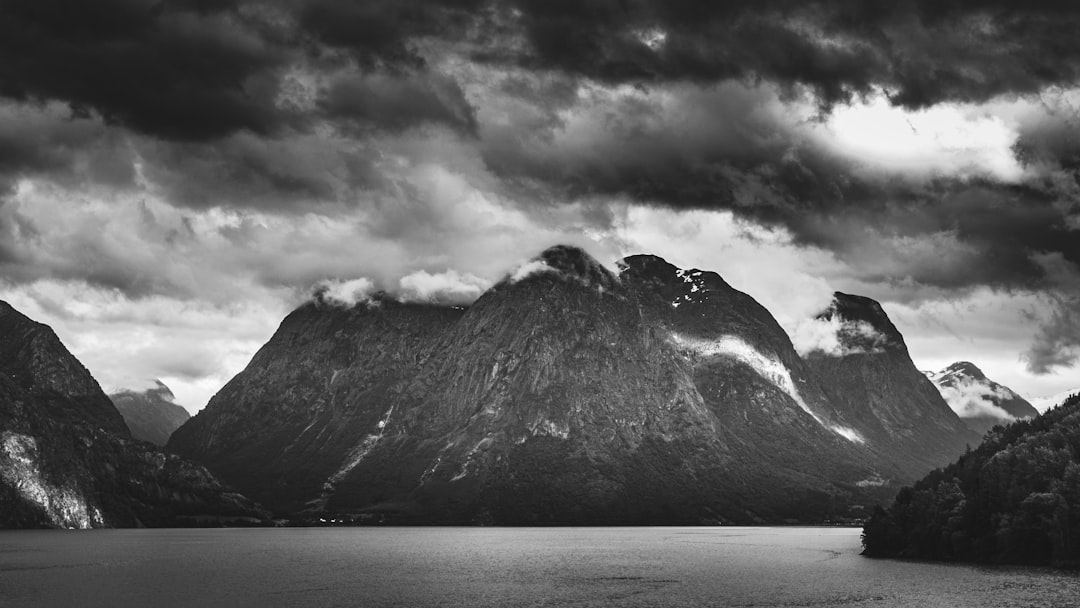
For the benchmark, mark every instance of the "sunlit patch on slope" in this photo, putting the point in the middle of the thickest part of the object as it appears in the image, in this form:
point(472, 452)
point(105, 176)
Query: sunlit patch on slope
point(770, 369)
point(19, 457)
point(352, 460)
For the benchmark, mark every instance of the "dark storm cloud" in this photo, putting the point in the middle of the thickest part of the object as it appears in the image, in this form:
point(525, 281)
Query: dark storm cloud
point(999, 228)
point(382, 32)
point(730, 147)
point(922, 52)
point(1057, 342)
point(294, 174)
point(396, 103)
point(198, 70)
point(184, 70)
point(46, 139)
point(202, 69)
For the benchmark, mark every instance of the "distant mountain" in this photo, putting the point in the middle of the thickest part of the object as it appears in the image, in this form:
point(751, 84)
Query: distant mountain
point(67, 459)
point(870, 377)
point(979, 401)
point(1014, 499)
point(564, 394)
point(151, 414)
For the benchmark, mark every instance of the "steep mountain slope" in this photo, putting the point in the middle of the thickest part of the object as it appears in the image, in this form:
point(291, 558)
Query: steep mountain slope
point(33, 360)
point(151, 415)
point(66, 457)
point(979, 401)
point(1014, 499)
point(288, 427)
point(564, 394)
point(871, 378)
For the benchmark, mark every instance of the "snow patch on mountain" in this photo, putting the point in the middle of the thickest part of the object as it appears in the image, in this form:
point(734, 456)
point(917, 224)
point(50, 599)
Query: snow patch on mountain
point(768, 368)
point(698, 287)
point(834, 337)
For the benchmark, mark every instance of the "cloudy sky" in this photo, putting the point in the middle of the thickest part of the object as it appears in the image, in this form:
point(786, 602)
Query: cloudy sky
point(175, 176)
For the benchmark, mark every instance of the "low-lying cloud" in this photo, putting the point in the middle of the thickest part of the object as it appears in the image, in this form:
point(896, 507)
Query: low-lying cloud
point(448, 287)
point(976, 400)
point(837, 338)
point(347, 293)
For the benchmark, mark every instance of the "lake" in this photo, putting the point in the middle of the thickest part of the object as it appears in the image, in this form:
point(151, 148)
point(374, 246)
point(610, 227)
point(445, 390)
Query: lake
point(495, 567)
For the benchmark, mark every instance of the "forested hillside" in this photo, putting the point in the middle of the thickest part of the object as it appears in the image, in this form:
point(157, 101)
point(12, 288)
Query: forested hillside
point(1014, 499)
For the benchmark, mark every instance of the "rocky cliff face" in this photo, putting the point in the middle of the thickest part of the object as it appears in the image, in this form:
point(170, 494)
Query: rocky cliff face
point(870, 377)
point(152, 414)
point(564, 394)
point(67, 458)
point(979, 401)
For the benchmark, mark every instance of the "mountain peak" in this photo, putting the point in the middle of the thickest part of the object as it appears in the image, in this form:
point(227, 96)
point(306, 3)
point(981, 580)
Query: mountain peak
point(681, 286)
point(151, 413)
point(567, 261)
point(644, 263)
point(964, 368)
point(866, 325)
point(155, 388)
point(978, 400)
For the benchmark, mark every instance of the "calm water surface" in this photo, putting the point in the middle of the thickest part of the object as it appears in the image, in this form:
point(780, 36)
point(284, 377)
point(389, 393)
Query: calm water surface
point(495, 567)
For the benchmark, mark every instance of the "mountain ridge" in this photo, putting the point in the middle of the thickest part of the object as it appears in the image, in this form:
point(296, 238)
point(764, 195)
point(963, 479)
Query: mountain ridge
point(564, 394)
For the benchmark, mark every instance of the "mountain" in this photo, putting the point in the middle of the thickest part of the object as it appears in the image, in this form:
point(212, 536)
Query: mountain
point(869, 375)
point(1014, 499)
point(979, 401)
point(68, 460)
point(152, 414)
point(564, 394)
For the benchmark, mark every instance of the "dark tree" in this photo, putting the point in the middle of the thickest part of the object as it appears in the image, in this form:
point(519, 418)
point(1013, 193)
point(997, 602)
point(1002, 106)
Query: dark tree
point(1013, 499)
